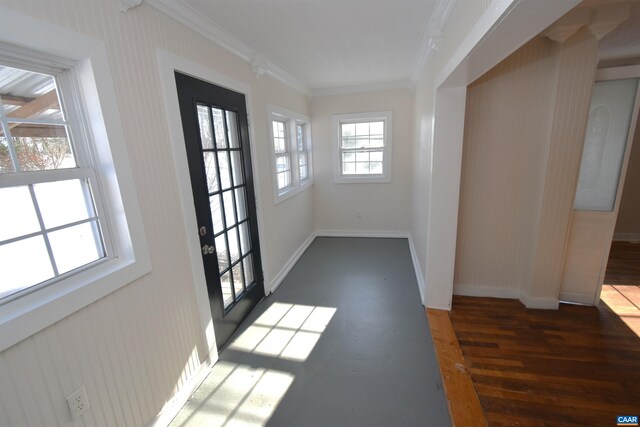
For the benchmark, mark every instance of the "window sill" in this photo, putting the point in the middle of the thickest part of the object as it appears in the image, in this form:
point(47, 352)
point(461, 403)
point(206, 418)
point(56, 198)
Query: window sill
point(359, 179)
point(290, 192)
point(33, 312)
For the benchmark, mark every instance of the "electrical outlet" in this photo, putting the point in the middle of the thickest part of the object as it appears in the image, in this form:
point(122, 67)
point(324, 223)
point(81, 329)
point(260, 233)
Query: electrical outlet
point(78, 402)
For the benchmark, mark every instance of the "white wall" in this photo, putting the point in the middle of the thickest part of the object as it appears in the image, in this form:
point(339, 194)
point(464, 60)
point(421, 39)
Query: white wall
point(384, 207)
point(134, 349)
point(628, 223)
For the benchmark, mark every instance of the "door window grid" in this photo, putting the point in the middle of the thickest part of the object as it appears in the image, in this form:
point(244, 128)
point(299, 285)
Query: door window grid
point(37, 159)
point(235, 280)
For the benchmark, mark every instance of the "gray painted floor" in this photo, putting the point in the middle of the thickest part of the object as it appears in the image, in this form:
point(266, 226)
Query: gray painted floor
point(344, 341)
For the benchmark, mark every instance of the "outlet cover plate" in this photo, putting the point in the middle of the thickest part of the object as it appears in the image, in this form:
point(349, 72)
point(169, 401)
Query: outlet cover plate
point(78, 403)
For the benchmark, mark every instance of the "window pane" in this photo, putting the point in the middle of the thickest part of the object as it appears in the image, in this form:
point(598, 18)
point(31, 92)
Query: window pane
point(244, 238)
point(300, 137)
point(76, 246)
point(238, 279)
point(348, 129)
point(304, 174)
point(23, 264)
point(284, 179)
point(349, 156)
point(248, 269)
point(6, 164)
point(236, 166)
point(302, 159)
point(225, 282)
point(234, 248)
point(211, 170)
point(221, 249)
point(282, 163)
point(241, 204)
point(42, 147)
point(232, 129)
point(376, 129)
point(29, 95)
point(17, 214)
point(375, 168)
point(218, 126)
point(362, 129)
point(64, 202)
point(362, 156)
point(206, 136)
point(216, 213)
point(348, 168)
point(227, 199)
point(362, 168)
point(223, 163)
point(376, 156)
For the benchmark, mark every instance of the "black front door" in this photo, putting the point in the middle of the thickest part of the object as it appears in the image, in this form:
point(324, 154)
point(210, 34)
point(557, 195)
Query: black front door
point(216, 134)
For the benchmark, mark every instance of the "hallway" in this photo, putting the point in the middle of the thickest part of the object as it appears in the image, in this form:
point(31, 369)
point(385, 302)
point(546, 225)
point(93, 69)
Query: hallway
point(343, 341)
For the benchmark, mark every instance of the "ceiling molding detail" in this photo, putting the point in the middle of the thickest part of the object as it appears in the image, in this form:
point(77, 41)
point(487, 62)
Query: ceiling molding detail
point(185, 14)
point(125, 5)
point(345, 90)
point(432, 36)
point(600, 21)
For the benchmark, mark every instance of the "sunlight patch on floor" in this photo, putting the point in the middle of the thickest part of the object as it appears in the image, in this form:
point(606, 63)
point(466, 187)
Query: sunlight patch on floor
point(624, 300)
point(235, 395)
point(286, 331)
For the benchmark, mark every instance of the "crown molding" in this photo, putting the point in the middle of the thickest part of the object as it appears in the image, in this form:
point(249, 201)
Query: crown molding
point(182, 12)
point(432, 36)
point(125, 5)
point(373, 87)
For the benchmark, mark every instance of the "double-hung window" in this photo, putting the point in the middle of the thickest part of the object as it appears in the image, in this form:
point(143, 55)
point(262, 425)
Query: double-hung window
point(362, 146)
point(291, 152)
point(71, 231)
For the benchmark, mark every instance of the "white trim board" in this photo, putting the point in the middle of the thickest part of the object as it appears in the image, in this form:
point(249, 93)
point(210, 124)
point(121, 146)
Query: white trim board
point(168, 63)
point(539, 303)
point(417, 269)
point(388, 234)
point(626, 237)
point(286, 268)
point(485, 291)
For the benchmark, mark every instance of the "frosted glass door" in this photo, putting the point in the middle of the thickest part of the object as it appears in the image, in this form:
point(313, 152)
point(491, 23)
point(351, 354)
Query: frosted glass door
point(605, 142)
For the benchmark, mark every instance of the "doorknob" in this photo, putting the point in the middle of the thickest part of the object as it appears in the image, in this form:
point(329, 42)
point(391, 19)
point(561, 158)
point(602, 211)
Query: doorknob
point(207, 250)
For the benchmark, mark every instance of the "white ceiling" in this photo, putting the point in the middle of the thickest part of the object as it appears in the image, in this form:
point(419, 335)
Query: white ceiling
point(328, 43)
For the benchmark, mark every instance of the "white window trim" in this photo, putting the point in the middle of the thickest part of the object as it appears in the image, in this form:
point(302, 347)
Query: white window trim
point(291, 119)
point(336, 121)
point(29, 314)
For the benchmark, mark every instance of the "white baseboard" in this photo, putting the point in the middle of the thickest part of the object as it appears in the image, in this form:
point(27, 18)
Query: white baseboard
point(579, 298)
point(173, 406)
point(626, 237)
point(417, 269)
point(363, 233)
point(484, 291)
point(275, 282)
point(539, 303)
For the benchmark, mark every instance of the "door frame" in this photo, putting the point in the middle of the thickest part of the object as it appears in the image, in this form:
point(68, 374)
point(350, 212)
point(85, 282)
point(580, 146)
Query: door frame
point(168, 64)
point(618, 73)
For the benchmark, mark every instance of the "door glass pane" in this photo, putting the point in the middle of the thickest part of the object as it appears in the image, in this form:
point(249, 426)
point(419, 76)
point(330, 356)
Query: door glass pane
point(234, 248)
point(221, 249)
point(206, 136)
point(244, 238)
point(76, 246)
point(216, 213)
point(610, 115)
point(64, 202)
point(6, 164)
point(241, 204)
point(223, 162)
point(232, 129)
point(225, 282)
point(211, 170)
point(238, 279)
point(236, 166)
point(23, 264)
point(228, 208)
point(248, 270)
point(218, 125)
point(16, 210)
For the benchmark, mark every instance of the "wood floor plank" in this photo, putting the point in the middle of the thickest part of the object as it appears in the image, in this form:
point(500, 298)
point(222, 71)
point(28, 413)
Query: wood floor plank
point(464, 406)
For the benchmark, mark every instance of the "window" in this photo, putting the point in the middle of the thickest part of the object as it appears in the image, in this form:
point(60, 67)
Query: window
point(362, 145)
point(49, 224)
point(290, 138)
point(70, 226)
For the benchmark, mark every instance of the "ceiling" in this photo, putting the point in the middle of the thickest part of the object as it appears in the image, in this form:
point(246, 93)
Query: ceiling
point(624, 41)
point(328, 43)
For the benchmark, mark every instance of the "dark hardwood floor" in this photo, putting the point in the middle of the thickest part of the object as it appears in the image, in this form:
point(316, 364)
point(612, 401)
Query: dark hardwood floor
point(576, 366)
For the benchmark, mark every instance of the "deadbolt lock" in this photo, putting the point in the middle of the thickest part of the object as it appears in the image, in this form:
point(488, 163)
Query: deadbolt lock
point(203, 230)
point(208, 249)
